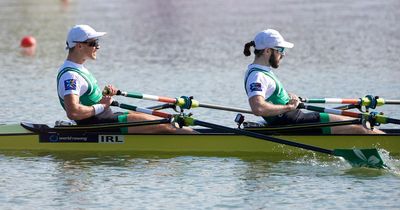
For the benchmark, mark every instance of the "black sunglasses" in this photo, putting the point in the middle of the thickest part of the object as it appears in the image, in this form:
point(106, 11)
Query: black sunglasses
point(93, 43)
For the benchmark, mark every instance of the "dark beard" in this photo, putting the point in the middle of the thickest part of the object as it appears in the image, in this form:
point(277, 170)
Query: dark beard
point(273, 61)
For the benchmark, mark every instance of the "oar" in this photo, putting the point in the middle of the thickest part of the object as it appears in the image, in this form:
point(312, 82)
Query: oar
point(347, 107)
point(372, 116)
point(183, 102)
point(356, 157)
point(95, 127)
point(368, 101)
point(142, 110)
point(162, 106)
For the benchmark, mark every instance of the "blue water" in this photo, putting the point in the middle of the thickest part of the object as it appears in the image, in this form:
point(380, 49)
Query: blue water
point(184, 47)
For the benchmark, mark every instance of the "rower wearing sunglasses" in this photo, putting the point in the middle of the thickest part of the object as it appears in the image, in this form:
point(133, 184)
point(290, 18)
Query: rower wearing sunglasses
point(267, 96)
point(80, 95)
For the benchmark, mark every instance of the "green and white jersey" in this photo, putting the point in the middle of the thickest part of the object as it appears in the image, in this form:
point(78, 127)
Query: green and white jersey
point(75, 79)
point(260, 80)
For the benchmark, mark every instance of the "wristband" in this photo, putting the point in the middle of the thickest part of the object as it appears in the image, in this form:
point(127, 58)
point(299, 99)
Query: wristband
point(98, 108)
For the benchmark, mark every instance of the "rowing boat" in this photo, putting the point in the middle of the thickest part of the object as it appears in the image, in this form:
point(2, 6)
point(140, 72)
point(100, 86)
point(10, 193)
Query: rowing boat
point(289, 140)
point(39, 137)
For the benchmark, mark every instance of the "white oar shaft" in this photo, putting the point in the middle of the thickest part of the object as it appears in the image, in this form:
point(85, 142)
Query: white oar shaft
point(181, 102)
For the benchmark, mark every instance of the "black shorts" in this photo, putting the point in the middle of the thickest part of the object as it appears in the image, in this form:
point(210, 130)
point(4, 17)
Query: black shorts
point(299, 117)
point(108, 116)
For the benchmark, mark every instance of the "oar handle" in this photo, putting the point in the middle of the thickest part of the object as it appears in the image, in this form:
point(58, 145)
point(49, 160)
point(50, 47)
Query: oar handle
point(106, 91)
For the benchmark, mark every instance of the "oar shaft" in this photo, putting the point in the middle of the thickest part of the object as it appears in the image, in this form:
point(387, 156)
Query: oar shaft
point(142, 110)
point(356, 157)
point(377, 117)
point(181, 102)
point(394, 121)
point(347, 107)
point(397, 102)
point(261, 136)
point(161, 106)
point(233, 109)
point(331, 111)
point(101, 127)
point(147, 97)
point(366, 101)
point(331, 100)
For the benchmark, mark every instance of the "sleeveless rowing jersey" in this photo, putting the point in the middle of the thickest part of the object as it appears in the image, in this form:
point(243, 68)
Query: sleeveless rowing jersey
point(75, 79)
point(260, 80)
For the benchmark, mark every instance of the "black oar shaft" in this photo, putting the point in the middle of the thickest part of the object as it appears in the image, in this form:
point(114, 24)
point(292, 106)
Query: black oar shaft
point(346, 107)
point(213, 106)
point(394, 121)
point(356, 157)
point(142, 110)
point(95, 127)
point(263, 137)
point(161, 106)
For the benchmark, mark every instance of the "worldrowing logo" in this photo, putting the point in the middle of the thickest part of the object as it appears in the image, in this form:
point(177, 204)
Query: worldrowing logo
point(53, 138)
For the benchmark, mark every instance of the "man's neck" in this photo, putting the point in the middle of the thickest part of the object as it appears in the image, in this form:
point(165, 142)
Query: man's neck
point(76, 59)
point(261, 62)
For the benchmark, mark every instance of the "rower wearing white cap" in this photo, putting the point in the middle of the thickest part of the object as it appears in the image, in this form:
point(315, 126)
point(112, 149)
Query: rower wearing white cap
point(80, 95)
point(267, 95)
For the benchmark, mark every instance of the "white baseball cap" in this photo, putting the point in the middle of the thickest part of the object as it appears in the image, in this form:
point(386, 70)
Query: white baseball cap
point(270, 38)
point(81, 33)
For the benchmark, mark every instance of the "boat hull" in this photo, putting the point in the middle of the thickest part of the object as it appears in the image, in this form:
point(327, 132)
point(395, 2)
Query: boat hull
point(210, 143)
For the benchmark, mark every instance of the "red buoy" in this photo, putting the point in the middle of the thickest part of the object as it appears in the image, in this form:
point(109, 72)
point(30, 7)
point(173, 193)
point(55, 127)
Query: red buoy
point(28, 41)
point(28, 45)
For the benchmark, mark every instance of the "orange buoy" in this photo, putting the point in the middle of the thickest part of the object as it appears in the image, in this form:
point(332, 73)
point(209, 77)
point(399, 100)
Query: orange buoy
point(28, 45)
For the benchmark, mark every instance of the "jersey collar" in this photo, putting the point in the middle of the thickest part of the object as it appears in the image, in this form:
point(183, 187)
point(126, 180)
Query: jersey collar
point(74, 65)
point(258, 66)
